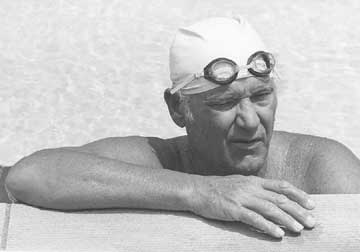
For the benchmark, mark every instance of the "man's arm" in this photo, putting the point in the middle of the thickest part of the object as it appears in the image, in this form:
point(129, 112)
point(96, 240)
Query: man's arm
point(109, 173)
point(92, 177)
point(333, 169)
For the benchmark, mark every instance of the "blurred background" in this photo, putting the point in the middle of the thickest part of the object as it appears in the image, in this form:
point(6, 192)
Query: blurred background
point(72, 72)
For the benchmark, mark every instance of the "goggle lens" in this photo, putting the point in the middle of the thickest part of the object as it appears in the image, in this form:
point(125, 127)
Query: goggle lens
point(223, 70)
point(262, 63)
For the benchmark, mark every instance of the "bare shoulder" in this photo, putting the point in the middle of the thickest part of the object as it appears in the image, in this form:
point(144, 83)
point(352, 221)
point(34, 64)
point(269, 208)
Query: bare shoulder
point(151, 152)
point(334, 168)
point(327, 165)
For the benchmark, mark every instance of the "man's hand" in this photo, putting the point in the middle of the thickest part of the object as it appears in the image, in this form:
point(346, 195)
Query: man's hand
point(262, 203)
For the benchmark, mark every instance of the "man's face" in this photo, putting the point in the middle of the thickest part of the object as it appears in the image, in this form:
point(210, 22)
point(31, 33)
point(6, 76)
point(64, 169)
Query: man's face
point(232, 125)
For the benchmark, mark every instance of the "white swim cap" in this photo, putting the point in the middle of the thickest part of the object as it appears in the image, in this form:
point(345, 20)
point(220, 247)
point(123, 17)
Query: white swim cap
point(195, 46)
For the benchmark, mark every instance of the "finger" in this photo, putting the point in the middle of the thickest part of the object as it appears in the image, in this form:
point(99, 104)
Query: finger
point(275, 214)
point(284, 187)
point(292, 208)
point(257, 221)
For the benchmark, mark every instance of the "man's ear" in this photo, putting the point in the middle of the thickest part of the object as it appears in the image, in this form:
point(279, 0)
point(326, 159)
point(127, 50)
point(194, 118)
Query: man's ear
point(173, 102)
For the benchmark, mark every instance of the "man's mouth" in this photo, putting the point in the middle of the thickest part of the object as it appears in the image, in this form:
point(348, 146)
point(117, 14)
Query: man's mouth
point(246, 143)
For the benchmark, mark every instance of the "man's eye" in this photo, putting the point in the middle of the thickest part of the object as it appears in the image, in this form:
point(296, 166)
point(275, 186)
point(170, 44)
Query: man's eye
point(225, 103)
point(222, 105)
point(260, 96)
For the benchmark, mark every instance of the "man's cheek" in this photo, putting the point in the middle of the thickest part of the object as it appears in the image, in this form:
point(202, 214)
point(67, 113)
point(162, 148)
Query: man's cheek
point(223, 120)
point(267, 121)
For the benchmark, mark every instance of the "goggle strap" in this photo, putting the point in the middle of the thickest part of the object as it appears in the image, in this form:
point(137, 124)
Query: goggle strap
point(246, 67)
point(183, 83)
point(198, 75)
point(250, 67)
point(276, 73)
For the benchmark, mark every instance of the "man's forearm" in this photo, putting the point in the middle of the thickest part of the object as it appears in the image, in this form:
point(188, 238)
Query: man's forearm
point(72, 180)
point(63, 179)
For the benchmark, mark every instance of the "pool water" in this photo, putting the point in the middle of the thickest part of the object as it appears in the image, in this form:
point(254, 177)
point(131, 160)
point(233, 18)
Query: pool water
point(72, 72)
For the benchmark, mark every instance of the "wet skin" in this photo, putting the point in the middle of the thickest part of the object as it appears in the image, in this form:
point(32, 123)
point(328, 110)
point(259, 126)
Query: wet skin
point(230, 133)
point(232, 126)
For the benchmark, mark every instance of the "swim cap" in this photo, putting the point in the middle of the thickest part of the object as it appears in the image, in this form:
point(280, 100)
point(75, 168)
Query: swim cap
point(195, 46)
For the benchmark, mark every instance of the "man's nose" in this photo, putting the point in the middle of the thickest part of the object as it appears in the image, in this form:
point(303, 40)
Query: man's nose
point(246, 115)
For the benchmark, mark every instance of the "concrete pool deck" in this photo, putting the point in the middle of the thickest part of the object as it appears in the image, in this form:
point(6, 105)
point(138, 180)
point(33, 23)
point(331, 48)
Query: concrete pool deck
point(34, 229)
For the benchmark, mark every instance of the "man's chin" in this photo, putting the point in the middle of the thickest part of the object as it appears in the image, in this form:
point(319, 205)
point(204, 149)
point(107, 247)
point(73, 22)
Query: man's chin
point(249, 165)
point(247, 162)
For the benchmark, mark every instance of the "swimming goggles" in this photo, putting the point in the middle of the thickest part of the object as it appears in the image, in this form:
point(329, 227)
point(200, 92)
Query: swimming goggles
point(224, 71)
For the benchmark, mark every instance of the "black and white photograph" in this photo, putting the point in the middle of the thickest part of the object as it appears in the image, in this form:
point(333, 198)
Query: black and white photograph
point(185, 125)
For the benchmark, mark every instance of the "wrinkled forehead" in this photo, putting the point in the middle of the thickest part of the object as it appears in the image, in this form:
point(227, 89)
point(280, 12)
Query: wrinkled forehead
point(196, 45)
point(239, 88)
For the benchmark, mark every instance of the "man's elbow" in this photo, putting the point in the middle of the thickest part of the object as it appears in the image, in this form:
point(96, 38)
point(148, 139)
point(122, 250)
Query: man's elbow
point(24, 180)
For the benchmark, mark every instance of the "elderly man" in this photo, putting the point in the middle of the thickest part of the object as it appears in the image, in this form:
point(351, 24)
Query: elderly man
point(230, 166)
